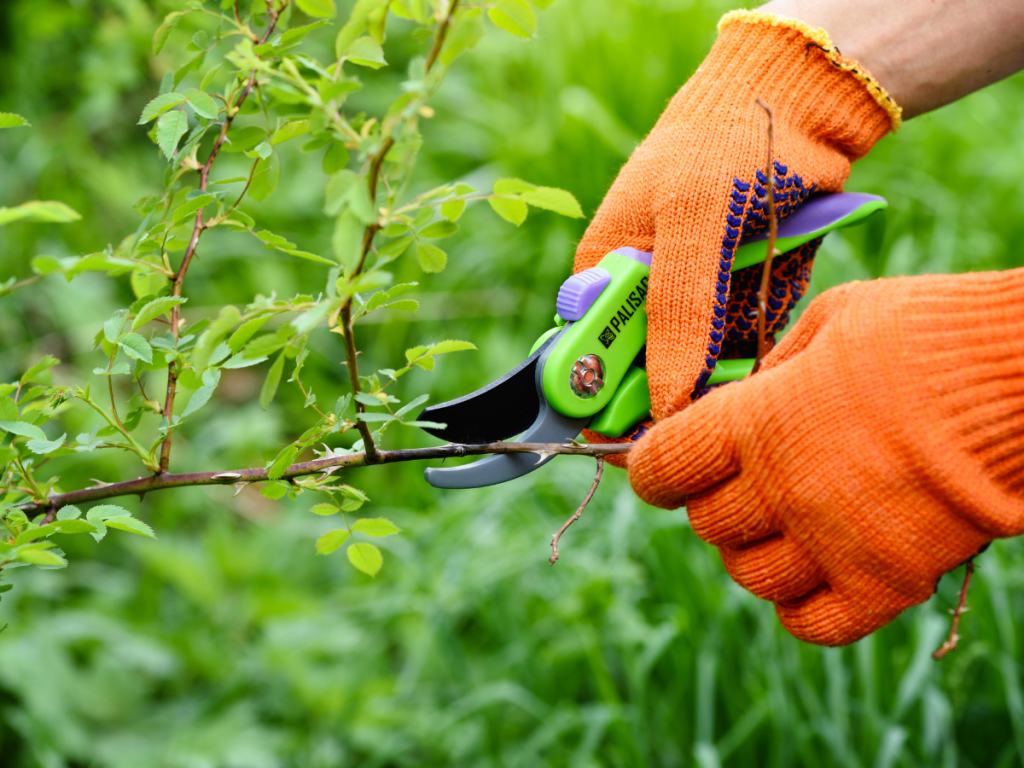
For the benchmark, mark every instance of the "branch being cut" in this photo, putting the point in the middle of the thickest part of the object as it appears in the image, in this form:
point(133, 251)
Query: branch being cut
point(576, 516)
point(166, 480)
point(773, 228)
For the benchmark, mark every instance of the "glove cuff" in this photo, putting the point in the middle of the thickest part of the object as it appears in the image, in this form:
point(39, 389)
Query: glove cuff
point(800, 74)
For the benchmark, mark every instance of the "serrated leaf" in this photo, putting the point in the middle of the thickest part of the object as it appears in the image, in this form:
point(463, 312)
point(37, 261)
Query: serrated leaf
point(135, 347)
point(23, 429)
point(453, 209)
point(245, 332)
point(290, 130)
point(374, 418)
point(321, 9)
point(337, 191)
point(245, 138)
point(44, 364)
point(510, 209)
point(8, 409)
point(40, 556)
point(552, 199)
point(199, 398)
point(282, 461)
point(70, 512)
point(366, 557)
point(74, 526)
point(161, 104)
point(272, 381)
point(411, 405)
point(164, 30)
point(169, 130)
point(439, 230)
point(45, 211)
point(266, 178)
point(324, 509)
point(43, 447)
point(11, 120)
point(203, 104)
point(515, 16)
point(375, 526)
point(335, 158)
point(129, 524)
point(155, 309)
point(330, 541)
point(450, 345)
point(366, 52)
point(432, 259)
point(187, 209)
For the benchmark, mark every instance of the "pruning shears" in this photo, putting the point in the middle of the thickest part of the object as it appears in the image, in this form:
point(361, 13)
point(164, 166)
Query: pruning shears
point(587, 371)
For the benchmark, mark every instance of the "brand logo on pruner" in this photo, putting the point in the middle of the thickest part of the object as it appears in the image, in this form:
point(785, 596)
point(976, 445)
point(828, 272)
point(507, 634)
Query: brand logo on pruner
point(624, 314)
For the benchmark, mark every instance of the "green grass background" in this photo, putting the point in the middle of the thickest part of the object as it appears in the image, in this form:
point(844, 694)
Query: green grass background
point(227, 643)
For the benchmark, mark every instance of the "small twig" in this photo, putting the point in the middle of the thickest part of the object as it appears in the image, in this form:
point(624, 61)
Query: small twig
point(961, 609)
point(576, 516)
point(773, 228)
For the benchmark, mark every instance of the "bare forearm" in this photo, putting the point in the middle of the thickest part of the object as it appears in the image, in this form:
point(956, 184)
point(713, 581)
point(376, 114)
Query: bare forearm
point(926, 53)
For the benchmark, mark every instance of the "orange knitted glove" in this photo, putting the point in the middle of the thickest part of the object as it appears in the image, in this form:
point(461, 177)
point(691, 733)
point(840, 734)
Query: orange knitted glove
point(881, 445)
point(696, 186)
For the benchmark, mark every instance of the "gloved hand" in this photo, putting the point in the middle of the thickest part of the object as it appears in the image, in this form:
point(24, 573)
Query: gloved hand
point(697, 184)
point(881, 445)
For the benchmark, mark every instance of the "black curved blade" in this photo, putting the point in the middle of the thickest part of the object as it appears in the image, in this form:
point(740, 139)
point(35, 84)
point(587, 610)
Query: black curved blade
point(502, 409)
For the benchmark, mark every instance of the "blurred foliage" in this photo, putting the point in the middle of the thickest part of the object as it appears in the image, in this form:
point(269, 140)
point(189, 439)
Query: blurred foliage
point(227, 642)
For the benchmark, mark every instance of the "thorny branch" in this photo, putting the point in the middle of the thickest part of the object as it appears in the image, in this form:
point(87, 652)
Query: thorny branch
point(773, 228)
point(376, 165)
point(197, 231)
point(960, 610)
point(166, 480)
point(576, 516)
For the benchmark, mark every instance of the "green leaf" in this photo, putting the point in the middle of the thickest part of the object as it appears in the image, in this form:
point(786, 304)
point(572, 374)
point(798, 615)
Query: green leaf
point(374, 418)
point(161, 104)
point(432, 258)
point(366, 52)
point(510, 209)
point(203, 104)
point(453, 210)
point(46, 211)
point(136, 347)
point(187, 209)
point(347, 240)
point(40, 556)
point(356, 24)
point(272, 381)
point(366, 557)
point(324, 509)
point(102, 512)
point(164, 30)
point(74, 526)
point(335, 158)
point(199, 398)
point(450, 345)
point(266, 178)
point(23, 429)
point(290, 130)
point(282, 461)
point(552, 199)
point(244, 139)
point(46, 363)
point(375, 526)
point(321, 9)
point(169, 130)
point(515, 16)
point(70, 512)
point(337, 191)
point(43, 447)
point(274, 491)
point(155, 309)
point(245, 332)
point(129, 524)
point(330, 541)
point(8, 409)
point(11, 120)
point(439, 230)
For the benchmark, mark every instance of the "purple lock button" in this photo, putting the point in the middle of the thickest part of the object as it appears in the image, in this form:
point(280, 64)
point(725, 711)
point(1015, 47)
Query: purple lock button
point(580, 291)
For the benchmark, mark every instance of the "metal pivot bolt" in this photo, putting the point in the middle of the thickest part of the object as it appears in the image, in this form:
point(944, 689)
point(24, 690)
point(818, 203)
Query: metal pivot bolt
point(587, 377)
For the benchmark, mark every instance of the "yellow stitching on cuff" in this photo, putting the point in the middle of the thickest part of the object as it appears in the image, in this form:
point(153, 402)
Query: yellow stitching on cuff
point(821, 39)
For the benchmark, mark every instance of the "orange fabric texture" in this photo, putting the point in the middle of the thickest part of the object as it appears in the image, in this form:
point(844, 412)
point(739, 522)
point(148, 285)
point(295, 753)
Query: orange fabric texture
point(881, 446)
point(692, 188)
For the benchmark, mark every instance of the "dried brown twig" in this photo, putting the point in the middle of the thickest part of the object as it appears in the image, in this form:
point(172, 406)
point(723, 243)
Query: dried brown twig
point(773, 229)
point(960, 610)
point(576, 516)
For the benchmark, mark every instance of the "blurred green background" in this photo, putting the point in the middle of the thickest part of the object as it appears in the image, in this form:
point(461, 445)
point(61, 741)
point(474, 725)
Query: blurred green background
point(228, 643)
